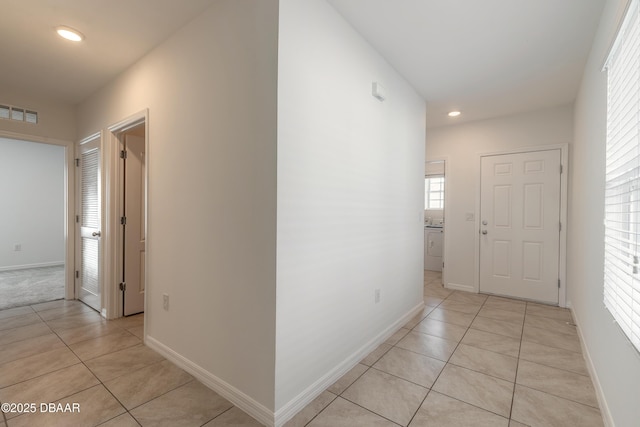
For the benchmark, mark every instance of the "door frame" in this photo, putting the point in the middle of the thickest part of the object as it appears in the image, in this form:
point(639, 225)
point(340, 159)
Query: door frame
point(77, 245)
point(562, 262)
point(114, 202)
point(69, 203)
point(445, 208)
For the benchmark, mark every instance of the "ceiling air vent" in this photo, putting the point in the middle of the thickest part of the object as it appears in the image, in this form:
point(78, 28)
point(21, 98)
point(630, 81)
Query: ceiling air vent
point(18, 114)
point(31, 116)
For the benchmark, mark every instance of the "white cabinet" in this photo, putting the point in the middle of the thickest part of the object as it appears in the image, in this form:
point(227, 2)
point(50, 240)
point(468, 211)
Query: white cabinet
point(433, 240)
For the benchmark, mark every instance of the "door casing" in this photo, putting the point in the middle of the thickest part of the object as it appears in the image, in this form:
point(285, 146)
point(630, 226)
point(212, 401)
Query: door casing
point(113, 200)
point(562, 265)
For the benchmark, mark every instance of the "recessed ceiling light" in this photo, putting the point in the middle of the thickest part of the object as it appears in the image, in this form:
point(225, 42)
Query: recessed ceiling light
point(70, 34)
point(454, 113)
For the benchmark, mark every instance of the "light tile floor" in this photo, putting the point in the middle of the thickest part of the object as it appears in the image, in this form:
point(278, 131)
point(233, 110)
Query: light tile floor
point(465, 360)
point(64, 352)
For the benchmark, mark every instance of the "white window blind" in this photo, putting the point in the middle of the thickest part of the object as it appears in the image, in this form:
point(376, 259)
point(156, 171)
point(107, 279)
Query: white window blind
point(90, 207)
point(622, 191)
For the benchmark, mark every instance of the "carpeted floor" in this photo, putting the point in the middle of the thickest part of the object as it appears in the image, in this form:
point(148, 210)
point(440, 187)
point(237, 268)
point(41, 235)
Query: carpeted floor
point(31, 286)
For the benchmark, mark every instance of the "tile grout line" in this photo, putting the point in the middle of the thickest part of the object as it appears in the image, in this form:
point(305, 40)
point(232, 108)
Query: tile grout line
point(449, 358)
point(371, 367)
point(449, 363)
point(4, 417)
point(439, 373)
point(515, 380)
point(412, 329)
point(355, 403)
point(57, 370)
point(100, 382)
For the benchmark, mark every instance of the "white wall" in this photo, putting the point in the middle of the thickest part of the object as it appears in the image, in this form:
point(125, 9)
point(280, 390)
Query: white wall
point(350, 196)
point(32, 194)
point(55, 119)
point(211, 94)
point(617, 364)
point(462, 145)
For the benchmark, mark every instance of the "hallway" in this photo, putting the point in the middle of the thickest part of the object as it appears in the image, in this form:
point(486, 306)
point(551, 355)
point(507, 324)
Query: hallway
point(465, 360)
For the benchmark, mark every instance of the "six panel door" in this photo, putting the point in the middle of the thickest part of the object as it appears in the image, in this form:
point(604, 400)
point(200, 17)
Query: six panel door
point(520, 225)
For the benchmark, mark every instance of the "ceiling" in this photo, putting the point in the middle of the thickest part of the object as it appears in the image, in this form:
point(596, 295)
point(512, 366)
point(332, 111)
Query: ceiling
point(117, 33)
point(487, 58)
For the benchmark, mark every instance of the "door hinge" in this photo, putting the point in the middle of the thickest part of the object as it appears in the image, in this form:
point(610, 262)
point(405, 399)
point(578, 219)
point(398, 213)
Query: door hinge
point(561, 169)
point(77, 218)
point(123, 154)
point(77, 162)
point(558, 283)
point(123, 286)
point(123, 220)
point(560, 226)
point(77, 274)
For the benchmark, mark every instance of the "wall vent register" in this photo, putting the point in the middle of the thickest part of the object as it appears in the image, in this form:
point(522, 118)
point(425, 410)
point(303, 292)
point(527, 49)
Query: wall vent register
point(19, 114)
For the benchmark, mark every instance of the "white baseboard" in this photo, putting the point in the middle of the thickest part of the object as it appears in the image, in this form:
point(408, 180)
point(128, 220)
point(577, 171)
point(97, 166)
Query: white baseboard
point(457, 287)
point(296, 404)
point(27, 266)
point(284, 414)
point(232, 394)
point(602, 401)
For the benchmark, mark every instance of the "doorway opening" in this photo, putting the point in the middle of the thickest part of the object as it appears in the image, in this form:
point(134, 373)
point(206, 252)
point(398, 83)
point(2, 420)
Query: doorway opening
point(127, 184)
point(33, 223)
point(133, 219)
point(434, 219)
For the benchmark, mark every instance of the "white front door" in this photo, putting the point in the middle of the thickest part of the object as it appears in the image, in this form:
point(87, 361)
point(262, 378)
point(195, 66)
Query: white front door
point(520, 225)
point(88, 252)
point(134, 228)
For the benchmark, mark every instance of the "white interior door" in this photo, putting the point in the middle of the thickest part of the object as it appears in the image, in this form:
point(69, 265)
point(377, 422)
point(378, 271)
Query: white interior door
point(520, 225)
point(134, 228)
point(89, 249)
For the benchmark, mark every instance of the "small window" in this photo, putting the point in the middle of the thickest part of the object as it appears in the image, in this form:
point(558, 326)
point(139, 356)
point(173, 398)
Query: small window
point(434, 192)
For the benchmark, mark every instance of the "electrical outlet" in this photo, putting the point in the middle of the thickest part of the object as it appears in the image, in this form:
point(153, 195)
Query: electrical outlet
point(17, 247)
point(165, 301)
point(377, 295)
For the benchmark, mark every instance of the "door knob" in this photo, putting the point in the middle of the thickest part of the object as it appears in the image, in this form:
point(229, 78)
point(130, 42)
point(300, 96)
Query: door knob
point(484, 231)
point(96, 234)
point(484, 222)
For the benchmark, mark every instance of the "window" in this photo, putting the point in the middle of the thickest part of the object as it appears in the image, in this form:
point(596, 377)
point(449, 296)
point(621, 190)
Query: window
point(622, 188)
point(434, 192)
